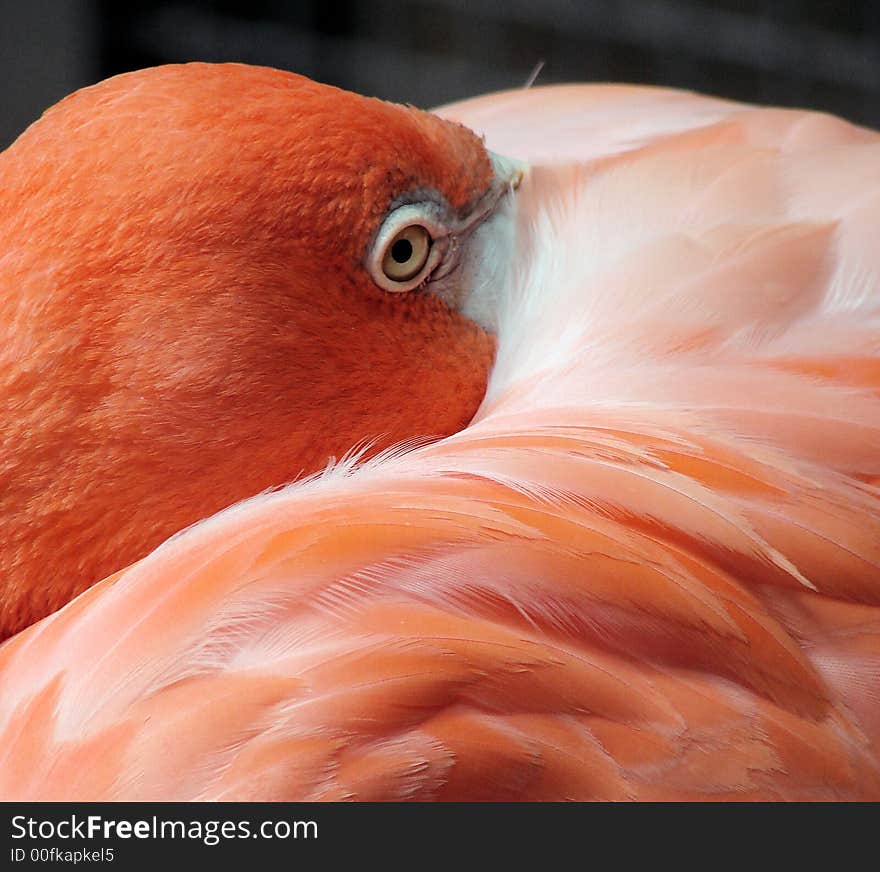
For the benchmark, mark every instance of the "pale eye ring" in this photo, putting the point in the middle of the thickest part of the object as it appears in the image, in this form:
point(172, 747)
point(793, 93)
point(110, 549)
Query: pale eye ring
point(407, 253)
point(408, 247)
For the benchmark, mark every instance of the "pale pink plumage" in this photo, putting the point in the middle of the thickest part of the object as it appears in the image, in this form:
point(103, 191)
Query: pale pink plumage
point(647, 570)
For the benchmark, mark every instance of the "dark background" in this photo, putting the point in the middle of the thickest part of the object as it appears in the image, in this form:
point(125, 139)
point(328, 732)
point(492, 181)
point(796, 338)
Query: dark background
point(815, 53)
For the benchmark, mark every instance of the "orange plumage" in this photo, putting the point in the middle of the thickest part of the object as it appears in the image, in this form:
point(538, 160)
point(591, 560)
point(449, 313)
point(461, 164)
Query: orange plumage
point(647, 569)
point(184, 323)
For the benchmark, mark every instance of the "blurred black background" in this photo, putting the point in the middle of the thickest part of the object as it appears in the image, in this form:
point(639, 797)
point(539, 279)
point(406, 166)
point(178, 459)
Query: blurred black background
point(817, 53)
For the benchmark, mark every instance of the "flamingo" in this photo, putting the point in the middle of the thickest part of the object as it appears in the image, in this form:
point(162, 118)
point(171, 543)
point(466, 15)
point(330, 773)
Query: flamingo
point(640, 564)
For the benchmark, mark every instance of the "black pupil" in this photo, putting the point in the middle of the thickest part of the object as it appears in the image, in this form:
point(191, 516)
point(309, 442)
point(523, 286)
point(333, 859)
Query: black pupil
point(402, 250)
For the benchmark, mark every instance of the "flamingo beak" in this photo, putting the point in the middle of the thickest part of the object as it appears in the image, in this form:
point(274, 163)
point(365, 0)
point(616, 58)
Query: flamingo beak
point(508, 171)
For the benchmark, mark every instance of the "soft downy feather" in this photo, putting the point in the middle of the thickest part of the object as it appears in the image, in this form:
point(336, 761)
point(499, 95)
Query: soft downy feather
point(647, 570)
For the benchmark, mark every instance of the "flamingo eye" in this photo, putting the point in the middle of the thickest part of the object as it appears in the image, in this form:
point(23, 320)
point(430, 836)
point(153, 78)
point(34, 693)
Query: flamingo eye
point(407, 253)
point(408, 248)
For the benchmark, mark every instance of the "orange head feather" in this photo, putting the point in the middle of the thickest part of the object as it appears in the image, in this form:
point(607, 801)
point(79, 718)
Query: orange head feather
point(186, 314)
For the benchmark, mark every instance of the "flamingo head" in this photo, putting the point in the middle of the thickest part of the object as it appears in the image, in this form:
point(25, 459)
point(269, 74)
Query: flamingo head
point(218, 277)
